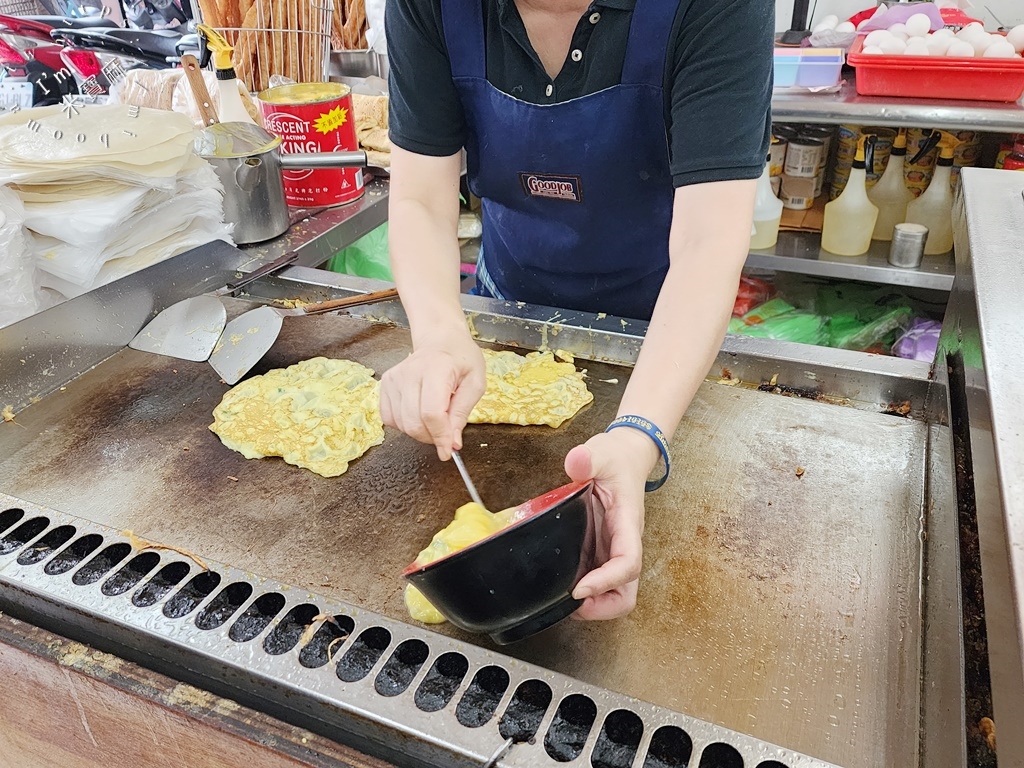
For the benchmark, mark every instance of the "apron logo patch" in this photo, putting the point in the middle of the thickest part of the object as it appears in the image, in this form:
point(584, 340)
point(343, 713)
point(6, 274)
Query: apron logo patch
point(554, 187)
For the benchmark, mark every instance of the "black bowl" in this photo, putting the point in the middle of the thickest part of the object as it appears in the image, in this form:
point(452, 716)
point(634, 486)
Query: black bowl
point(518, 581)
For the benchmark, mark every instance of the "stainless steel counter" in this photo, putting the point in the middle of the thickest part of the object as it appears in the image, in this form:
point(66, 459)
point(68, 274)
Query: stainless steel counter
point(983, 348)
point(848, 107)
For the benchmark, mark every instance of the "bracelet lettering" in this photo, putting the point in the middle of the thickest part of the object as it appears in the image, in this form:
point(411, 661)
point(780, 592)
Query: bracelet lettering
point(652, 431)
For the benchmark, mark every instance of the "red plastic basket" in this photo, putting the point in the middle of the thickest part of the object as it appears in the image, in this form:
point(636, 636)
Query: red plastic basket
point(937, 77)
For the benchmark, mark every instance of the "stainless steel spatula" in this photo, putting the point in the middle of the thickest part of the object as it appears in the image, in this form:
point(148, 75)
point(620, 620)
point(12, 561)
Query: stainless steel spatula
point(248, 337)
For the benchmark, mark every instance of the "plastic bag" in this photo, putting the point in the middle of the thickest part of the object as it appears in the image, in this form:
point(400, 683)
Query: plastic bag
point(376, 36)
point(366, 257)
point(920, 341)
point(752, 292)
point(767, 311)
point(801, 327)
point(17, 288)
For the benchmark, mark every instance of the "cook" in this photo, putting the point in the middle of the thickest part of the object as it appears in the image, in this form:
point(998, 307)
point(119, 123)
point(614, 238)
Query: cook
point(615, 145)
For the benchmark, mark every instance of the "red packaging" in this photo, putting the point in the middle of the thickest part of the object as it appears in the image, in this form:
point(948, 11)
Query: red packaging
point(314, 117)
point(752, 293)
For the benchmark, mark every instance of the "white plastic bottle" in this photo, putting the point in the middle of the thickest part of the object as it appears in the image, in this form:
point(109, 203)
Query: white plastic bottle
point(232, 110)
point(850, 218)
point(890, 195)
point(767, 213)
point(934, 208)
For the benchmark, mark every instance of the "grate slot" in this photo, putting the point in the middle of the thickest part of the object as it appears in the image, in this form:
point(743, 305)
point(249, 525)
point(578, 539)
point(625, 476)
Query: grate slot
point(771, 764)
point(102, 564)
point(10, 517)
point(23, 534)
point(134, 571)
point(289, 630)
point(224, 605)
point(568, 731)
point(524, 714)
point(720, 755)
point(188, 598)
point(257, 617)
point(166, 579)
point(364, 654)
point(480, 701)
point(442, 681)
point(326, 641)
point(671, 747)
point(69, 558)
point(619, 740)
point(398, 672)
point(46, 546)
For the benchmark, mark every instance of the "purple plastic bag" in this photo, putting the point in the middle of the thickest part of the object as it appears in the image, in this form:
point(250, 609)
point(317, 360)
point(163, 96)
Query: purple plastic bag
point(920, 342)
point(898, 14)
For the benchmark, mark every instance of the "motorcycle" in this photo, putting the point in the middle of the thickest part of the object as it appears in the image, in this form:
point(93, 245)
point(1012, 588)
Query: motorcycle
point(102, 57)
point(32, 72)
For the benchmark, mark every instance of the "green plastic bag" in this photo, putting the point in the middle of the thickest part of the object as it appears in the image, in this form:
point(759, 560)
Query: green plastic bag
point(849, 331)
point(801, 327)
point(366, 257)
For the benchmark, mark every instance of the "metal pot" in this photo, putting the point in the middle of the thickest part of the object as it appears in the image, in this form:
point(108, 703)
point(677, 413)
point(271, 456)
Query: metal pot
point(249, 162)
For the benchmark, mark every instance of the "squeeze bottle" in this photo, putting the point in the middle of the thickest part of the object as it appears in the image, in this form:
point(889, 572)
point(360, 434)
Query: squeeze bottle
point(850, 218)
point(890, 195)
point(232, 110)
point(934, 208)
point(767, 213)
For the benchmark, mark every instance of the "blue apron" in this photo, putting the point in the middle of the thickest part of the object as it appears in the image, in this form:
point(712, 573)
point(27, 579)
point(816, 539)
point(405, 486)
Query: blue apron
point(577, 197)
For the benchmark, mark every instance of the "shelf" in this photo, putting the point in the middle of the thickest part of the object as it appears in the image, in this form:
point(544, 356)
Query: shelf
point(847, 107)
point(801, 252)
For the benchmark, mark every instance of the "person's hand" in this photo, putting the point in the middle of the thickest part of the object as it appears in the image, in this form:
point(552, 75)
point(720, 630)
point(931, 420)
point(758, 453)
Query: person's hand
point(618, 462)
point(431, 393)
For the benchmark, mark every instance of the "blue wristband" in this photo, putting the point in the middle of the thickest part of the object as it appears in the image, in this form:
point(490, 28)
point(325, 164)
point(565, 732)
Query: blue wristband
point(652, 431)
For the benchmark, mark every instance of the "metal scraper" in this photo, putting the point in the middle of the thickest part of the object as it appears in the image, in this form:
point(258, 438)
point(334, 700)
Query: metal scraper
point(190, 329)
point(248, 337)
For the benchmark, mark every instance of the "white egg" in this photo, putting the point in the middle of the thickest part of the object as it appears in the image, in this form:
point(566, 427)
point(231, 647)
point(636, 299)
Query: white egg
point(937, 46)
point(846, 27)
point(961, 50)
point(916, 46)
point(872, 50)
point(918, 25)
point(944, 32)
point(895, 47)
point(876, 37)
point(974, 26)
point(1000, 50)
point(982, 42)
point(899, 30)
point(1015, 37)
point(829, 22)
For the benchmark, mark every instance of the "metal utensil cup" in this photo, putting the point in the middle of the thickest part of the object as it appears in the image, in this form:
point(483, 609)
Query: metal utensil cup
point(907, 248)
point(249, 162)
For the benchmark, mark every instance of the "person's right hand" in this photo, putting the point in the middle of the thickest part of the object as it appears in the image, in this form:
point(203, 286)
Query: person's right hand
point(431, 393)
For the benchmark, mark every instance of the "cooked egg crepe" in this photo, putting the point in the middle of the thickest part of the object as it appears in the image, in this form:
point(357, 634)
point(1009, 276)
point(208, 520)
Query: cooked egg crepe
point(319, 414)
point(535, 389)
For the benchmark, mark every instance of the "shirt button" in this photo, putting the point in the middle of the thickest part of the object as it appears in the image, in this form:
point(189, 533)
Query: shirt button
point(577, 54)
point(595, 17)
point(549, 90)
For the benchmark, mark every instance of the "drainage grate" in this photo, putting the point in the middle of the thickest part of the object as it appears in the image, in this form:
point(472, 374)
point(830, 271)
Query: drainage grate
point(390, 689)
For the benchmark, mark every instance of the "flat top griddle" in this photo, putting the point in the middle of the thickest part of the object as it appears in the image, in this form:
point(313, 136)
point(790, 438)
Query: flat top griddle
point(783, 606)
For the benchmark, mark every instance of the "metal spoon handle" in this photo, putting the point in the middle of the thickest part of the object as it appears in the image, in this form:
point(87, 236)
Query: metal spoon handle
point(465, 478)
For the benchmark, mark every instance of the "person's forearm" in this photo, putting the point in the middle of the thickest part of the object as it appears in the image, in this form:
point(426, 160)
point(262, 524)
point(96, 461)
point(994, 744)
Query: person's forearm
point(424, 247)
point(691, 315)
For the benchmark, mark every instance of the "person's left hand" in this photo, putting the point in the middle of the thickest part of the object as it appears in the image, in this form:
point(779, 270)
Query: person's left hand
point(618, 462)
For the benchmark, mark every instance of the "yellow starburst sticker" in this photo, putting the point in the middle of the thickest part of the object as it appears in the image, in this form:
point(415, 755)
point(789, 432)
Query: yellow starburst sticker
point(332, 121)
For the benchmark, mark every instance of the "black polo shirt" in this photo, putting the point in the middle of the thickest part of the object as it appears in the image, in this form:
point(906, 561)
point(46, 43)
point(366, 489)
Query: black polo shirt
point(718, 77)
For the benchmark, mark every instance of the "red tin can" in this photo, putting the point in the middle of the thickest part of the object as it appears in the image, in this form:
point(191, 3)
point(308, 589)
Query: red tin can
point(314, 117)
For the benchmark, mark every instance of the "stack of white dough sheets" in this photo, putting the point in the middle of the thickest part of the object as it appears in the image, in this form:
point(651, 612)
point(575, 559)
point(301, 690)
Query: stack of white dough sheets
point(107, 190)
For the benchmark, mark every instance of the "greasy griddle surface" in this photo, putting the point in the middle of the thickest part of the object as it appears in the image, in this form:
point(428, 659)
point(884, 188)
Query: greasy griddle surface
point(781, 606)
